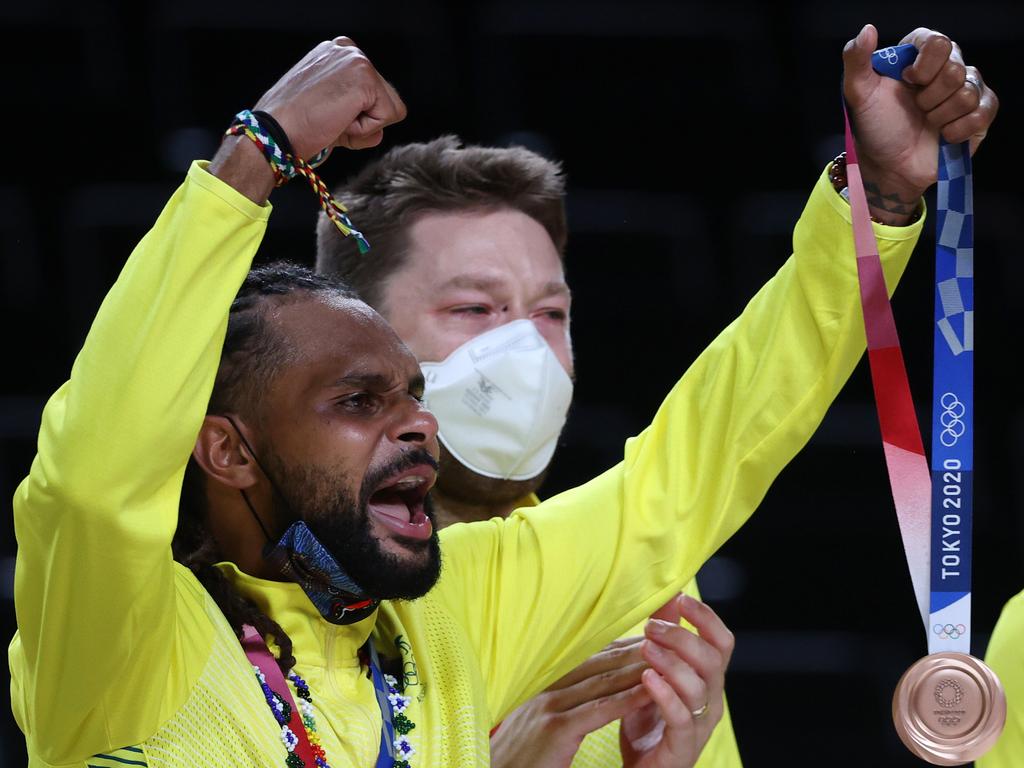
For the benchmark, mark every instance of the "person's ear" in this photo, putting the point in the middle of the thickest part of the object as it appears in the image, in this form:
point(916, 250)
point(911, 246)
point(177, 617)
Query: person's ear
point(223, 455)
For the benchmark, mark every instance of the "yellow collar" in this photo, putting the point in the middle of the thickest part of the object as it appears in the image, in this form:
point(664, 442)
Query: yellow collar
point(315, 641)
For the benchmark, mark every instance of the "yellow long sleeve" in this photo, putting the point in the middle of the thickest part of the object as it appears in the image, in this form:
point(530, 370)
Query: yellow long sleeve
point(543, 589)
point(98, 630)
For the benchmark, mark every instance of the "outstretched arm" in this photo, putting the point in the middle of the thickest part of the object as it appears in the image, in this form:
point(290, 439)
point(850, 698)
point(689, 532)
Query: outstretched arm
point(101, 657)
point(583, 567)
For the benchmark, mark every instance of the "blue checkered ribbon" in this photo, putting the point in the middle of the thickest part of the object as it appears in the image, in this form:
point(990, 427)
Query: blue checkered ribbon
point(955, 244)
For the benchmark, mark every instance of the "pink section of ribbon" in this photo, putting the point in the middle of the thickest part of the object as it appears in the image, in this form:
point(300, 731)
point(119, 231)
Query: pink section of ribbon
point(911, 482)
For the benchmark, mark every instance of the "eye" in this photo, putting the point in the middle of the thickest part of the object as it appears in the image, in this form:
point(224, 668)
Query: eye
point(358, 402)
point(472, 309)
point(555, 315)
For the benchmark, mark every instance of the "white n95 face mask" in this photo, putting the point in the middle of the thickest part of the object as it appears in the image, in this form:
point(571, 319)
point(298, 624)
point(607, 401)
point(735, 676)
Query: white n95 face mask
point(501, 400)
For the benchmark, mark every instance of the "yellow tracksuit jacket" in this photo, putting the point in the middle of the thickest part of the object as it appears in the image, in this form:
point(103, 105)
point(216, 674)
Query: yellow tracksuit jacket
point(121, 658)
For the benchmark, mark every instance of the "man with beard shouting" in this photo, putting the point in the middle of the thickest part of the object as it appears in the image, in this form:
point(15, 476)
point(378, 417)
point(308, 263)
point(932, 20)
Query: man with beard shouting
point(285, 632)
point(467, 266)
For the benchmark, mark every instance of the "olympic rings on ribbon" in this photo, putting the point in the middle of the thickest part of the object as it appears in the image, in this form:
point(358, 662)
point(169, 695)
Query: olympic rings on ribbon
point(948, 631)
point(889, 54)
point(952, 419)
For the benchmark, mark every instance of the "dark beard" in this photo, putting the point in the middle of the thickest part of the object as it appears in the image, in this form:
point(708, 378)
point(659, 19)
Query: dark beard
point(341, 523)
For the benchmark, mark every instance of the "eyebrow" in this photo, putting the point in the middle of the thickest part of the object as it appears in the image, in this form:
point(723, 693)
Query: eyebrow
point(377, 381)
point(484, 283)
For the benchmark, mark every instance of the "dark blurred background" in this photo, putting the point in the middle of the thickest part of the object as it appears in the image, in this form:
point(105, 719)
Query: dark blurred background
point(691, 134)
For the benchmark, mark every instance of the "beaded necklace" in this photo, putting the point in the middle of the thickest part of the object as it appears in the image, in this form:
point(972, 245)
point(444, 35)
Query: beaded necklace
point(394, 752)
point(401, 721)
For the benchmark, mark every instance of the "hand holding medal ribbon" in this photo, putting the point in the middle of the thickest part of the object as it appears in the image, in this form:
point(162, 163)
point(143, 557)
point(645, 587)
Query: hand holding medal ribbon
point(949, 707)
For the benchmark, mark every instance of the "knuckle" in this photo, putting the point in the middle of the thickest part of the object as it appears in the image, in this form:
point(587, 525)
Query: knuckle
point(993, 104)
point(939, 41)
point(728, 642)
point(553, 722)
point(953, 73)
point(716, 659)
point(975, 122)
point(968, 96)
point(701, 688)
point(549, 702)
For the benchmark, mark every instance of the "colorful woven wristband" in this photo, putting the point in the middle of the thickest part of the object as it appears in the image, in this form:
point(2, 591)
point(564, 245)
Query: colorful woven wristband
point(287, 166)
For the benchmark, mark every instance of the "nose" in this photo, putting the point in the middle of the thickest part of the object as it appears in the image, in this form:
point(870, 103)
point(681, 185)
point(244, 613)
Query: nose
point(415, 425)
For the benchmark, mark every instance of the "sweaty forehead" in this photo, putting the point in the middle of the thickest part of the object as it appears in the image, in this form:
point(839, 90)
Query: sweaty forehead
point(330, 332)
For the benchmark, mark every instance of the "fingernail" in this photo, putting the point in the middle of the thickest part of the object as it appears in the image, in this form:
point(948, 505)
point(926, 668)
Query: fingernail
point(657, 626)
point(653, 678)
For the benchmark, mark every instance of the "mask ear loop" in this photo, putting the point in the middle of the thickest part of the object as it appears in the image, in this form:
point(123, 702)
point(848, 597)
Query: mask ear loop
point(245, 496)
point(362, 601)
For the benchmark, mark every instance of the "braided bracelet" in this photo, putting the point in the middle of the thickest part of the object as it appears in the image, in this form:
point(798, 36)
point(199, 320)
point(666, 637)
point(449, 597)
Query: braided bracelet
point(286, 166)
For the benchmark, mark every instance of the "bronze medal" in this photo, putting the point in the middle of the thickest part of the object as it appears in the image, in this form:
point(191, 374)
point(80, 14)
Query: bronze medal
point(949, 708)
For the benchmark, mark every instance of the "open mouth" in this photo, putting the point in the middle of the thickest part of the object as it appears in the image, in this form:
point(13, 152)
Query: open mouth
point(398, 503)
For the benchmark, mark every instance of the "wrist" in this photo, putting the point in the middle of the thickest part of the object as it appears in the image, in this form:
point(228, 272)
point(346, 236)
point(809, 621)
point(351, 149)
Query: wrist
point(890, 199)
point(240, 164)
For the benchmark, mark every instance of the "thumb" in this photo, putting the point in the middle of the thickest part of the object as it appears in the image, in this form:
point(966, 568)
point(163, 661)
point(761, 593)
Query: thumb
point(669, 612)
point(858, 76)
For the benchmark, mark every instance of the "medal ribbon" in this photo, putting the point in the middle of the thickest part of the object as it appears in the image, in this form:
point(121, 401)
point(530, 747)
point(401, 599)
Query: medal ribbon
point(933, 505)
point(260, 656)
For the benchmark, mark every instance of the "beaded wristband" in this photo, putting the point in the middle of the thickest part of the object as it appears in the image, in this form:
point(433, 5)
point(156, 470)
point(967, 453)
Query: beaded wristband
point(287, 166)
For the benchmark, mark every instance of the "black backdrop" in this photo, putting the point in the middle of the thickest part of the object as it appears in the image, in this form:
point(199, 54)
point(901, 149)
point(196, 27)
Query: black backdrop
point(691, 134)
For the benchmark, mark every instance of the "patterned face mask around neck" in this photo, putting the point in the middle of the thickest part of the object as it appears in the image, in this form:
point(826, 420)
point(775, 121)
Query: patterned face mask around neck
point(300, 557)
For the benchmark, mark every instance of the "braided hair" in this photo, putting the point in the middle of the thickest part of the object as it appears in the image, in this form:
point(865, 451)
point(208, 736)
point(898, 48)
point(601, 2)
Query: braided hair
point(251, 356)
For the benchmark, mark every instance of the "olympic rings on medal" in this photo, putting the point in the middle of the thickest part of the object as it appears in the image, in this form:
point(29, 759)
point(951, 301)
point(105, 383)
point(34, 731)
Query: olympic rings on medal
point(948, 631)
point(952, 419)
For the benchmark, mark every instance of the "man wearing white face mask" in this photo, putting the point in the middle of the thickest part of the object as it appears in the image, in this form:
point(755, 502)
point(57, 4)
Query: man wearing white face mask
point(474, 285)
point(510, 379)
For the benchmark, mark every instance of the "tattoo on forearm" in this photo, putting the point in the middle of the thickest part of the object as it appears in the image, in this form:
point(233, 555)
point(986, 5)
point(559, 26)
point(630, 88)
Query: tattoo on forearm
point(891, 203)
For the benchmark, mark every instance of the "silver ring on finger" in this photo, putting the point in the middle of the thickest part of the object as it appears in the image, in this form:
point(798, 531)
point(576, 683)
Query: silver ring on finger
point(975, 82)
point(699, 713)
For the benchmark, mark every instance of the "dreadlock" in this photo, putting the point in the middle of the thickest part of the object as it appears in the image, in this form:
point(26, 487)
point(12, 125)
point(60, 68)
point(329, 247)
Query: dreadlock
point(252, 355)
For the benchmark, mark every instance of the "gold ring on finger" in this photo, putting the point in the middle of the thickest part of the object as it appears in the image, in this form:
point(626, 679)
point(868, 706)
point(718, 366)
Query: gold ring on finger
point(699, 713)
